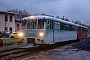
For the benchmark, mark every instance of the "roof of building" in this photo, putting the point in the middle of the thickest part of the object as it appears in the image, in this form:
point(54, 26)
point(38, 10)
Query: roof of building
point(7, 12)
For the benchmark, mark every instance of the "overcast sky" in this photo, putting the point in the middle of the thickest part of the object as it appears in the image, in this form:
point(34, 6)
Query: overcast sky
point(71, 9)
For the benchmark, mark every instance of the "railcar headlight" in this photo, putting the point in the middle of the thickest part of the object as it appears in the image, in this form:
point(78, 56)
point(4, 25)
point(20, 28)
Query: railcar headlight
point(41, 34)
point(32, 17)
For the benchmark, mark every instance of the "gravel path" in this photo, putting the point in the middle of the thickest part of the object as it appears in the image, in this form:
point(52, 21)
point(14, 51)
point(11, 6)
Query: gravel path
point(60, 53)
point(74, 51)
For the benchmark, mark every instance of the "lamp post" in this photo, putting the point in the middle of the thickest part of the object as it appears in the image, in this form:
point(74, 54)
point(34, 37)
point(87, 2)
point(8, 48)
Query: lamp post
point(4, 29)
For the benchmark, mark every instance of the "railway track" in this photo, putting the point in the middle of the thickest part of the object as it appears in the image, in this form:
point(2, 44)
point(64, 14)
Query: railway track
point(16, 53)
point(4, 55)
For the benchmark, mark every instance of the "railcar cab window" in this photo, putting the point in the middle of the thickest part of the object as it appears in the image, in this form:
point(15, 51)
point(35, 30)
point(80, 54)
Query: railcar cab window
point(40, 24)
point(31, 24)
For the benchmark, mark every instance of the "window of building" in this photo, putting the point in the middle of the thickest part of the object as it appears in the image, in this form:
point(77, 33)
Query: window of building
point(6, 29)
point(17, 26)
point(10, 29)
point(10, 18)
point(6, 18)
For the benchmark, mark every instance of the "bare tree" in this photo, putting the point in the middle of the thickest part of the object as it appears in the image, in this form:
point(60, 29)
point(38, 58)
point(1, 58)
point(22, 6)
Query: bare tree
point(58, 17)
point(19, 13)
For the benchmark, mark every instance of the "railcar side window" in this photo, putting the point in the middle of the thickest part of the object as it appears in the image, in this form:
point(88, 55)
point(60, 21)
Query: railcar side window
point(84, 29)
point(57, 25)
point(62, 26)
point(48, 24)
point(66, 27)
point(40, 24)
point(70, 27)
point(31, 24)
point(73, 28)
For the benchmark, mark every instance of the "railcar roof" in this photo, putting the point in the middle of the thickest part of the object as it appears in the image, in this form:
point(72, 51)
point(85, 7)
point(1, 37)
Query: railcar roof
point(52, 18)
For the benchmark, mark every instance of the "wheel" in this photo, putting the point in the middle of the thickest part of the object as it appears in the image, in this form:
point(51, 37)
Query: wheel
point(12, 36)
point(1, 42)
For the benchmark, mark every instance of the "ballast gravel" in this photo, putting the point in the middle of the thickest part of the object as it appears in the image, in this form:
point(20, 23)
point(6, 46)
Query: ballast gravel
point(83, 44)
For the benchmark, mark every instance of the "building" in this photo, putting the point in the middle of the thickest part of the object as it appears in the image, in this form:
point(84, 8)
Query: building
point(7, 21)
point(18, 25)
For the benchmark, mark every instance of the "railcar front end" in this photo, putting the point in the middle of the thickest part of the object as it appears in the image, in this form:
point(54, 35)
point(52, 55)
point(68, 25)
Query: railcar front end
point(34, 30)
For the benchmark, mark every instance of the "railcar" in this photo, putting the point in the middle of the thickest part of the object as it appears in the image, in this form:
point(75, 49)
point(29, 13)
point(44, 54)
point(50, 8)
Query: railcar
point(82, 32)
point(49, 30)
